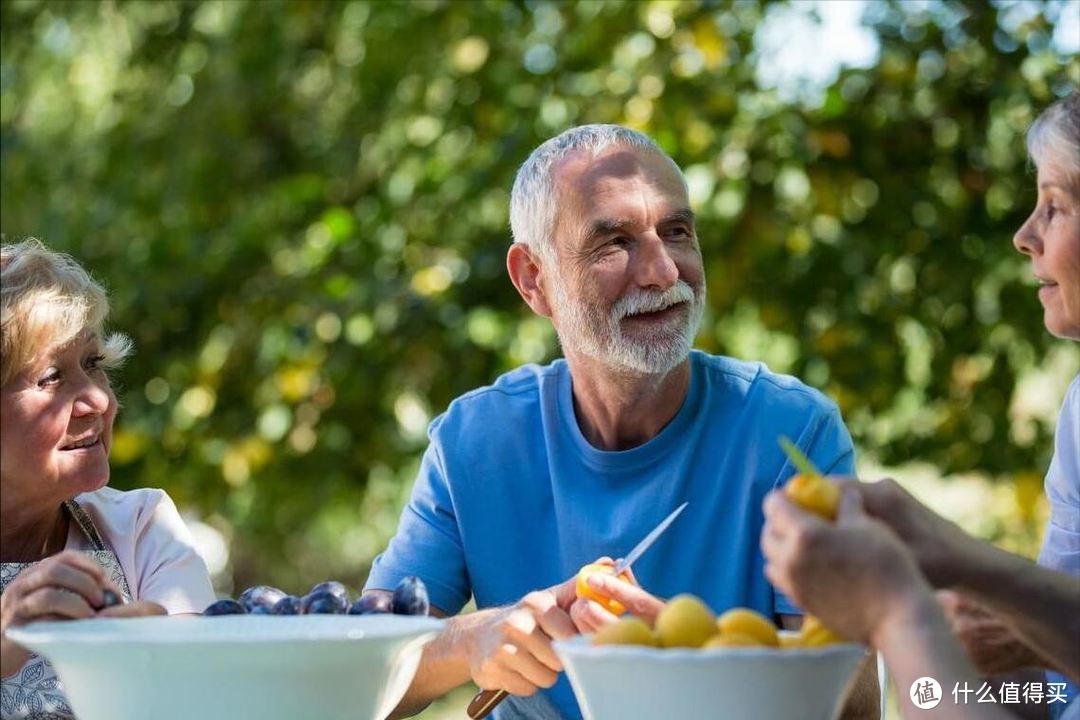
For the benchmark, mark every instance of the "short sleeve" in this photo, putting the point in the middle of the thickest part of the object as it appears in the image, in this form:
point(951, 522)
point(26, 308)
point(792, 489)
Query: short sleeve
point(170, 571)
point(428, 541)
point(828, 444)
point(1061, 542)
point(832, 449)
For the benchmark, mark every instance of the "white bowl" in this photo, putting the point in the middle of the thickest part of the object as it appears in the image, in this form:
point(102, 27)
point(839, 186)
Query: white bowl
point(233, 666)
point(617, 682)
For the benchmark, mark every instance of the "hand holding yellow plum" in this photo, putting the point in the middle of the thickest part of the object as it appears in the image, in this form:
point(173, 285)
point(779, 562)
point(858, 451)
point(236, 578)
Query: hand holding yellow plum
point(942, 550)
point(815, 493)
point(809, 489)
point(587, 592)
point(590, 614)
point(835, 570)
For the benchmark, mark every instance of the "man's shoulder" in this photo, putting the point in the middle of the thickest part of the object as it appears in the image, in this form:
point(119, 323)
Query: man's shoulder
point(753, 381)
point(512, 397)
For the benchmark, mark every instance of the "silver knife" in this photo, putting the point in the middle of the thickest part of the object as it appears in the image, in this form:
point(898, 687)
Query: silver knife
point(647, 542)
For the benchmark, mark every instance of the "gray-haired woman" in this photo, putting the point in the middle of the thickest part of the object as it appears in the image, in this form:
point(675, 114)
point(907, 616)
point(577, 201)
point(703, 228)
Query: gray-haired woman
point(1009, 613)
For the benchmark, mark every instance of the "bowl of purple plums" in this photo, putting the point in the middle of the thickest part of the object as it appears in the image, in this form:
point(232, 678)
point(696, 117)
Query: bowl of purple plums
point(266, 654)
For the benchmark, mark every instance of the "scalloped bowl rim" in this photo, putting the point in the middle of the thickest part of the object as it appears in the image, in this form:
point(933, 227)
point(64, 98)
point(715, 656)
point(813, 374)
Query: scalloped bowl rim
point(581, 646)
point(283, 629)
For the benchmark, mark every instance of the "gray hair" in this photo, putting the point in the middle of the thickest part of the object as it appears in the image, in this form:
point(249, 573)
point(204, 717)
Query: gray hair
point(1054, 137)
point(533, 199)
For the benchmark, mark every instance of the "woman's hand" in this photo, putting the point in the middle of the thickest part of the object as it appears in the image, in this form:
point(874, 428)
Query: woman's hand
point(989, 641)
point(853, 574)
point(133, 609)
point(66, 586)
point(939, 546)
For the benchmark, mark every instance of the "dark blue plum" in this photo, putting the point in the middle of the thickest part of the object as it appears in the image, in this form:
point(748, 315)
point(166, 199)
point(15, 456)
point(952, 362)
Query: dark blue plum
point(372, 604)
point(228, 606)
point(288, 605)
point(109, 599)
point(410, 597)
point(262, 596)
point(334, 588)
point(322, 603)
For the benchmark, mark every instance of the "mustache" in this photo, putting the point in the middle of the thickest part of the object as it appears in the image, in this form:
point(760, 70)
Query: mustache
point(639, 301)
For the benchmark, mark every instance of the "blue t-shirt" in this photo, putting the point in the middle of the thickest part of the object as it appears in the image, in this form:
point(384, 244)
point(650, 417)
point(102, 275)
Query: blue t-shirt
point(512, 498)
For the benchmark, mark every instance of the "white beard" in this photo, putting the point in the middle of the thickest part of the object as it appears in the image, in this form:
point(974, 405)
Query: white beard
point(602, 339)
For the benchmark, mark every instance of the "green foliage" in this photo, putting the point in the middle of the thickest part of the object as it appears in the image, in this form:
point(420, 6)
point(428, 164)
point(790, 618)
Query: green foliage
point(300, 209)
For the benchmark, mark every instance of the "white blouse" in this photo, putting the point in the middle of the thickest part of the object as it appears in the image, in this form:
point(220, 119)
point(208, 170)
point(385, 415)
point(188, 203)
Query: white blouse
point(154, 546)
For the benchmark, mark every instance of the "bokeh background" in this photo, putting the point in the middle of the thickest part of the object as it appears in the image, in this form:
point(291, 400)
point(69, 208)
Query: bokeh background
point(300, 210)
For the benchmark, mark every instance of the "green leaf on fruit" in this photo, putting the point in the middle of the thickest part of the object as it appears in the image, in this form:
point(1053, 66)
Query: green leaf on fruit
point(800, 461)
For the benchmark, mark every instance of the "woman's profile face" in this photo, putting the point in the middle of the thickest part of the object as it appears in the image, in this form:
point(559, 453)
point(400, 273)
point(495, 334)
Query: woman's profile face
point(1051, 238)
point(57, 429)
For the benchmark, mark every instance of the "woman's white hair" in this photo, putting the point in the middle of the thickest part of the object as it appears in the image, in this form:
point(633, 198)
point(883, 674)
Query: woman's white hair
point(533, 199)
point(47, 300)
point(1054, 137)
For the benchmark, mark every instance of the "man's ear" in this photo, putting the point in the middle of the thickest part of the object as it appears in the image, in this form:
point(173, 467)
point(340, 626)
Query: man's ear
point(524, 272)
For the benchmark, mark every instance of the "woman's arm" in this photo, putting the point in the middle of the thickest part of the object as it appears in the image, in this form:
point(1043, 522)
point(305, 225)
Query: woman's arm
point(1041, 606)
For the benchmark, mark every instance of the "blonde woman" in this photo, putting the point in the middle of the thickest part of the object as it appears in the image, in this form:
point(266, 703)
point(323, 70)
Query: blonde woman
point(70, 547)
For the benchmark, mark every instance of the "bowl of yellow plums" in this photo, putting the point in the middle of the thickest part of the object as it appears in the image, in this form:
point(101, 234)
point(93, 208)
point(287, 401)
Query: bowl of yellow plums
point(691, 663)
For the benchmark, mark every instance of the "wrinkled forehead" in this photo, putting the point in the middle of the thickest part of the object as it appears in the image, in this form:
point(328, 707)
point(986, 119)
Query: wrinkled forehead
point(55, 345)
point(1057, 176)
point(584, 183)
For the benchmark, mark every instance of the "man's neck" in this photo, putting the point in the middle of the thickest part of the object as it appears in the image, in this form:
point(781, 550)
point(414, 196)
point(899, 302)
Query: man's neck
point(619, 411)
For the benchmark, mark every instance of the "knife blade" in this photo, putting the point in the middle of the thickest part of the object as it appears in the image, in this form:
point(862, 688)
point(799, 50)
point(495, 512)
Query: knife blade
point(639, 549)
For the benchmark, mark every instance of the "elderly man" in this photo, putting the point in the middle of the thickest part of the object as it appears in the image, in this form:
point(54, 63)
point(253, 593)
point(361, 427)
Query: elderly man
point(551, 467)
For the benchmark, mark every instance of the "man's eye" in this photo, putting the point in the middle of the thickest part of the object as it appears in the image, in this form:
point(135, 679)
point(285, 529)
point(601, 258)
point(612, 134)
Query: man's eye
point(94, 362)
point(619, 241)
point(1051, 211)
point(675, 232)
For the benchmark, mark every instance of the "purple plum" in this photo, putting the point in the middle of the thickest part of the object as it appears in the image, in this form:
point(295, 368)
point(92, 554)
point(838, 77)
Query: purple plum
point(322, 603)
point(334, 588)
point(411, 597)
point(228, 606)
point(288, 605)
point(262, 596)
point(109, 599)
point(373, 603)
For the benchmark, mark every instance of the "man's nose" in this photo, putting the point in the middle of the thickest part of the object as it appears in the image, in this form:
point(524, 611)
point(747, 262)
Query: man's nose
point(656, 267)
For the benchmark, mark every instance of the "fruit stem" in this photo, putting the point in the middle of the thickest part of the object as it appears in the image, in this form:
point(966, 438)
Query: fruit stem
point(798, 459)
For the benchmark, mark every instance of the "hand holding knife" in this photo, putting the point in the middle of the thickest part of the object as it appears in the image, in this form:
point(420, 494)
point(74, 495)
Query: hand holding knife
point(486, 700)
